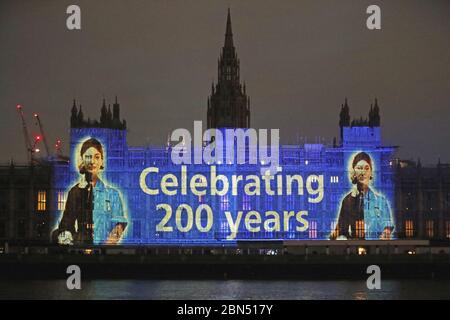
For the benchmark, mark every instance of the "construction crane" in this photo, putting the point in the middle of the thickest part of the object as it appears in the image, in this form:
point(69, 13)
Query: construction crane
point(58, 146)
point(41, 130)
point(29, 147)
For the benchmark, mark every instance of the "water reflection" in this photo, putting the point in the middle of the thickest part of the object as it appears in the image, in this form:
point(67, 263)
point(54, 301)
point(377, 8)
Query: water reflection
point(226, 290)
point(360, 296)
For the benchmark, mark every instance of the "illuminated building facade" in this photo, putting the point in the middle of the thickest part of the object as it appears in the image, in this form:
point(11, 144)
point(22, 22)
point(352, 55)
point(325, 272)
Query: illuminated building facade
point(33, 199)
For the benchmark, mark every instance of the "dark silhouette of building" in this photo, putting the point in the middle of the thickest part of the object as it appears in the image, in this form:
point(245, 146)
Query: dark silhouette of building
point(25, 199)
point(228, 105)
point(108, 119)
point(344, 118)
point(423, 200)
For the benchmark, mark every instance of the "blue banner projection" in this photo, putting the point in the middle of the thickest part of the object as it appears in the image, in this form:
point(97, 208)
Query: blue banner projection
point(113, 193)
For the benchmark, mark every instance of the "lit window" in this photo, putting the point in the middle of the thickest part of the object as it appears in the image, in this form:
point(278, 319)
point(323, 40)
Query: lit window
point(334, 179)
point(223, 228)
point(333, 228)
point(409, 228)
point(313, 230)
point(246, 203)
point(225, 202)
point(430, 228)
point(61, 200)
point(360, 229)
point(448, 229)
point(41, 200)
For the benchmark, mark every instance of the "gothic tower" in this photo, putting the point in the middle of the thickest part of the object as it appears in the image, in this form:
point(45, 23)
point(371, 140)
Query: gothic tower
point(374, 115)
point(344, 118)
point(228, 105)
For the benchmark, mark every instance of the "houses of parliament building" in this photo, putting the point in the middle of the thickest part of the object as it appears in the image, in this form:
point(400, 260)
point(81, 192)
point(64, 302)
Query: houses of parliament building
point(33, 197)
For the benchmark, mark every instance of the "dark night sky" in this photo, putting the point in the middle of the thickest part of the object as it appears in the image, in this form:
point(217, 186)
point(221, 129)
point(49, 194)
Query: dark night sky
point(299, 59)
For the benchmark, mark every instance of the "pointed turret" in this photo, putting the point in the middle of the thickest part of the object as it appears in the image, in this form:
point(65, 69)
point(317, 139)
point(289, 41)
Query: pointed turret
point(371, 124)
point(103, 114)
point(229, 32)
point(109, 115)
point(80, 117)
point(228, 104)
point(116, 111)
point(376, 120)
point(74, 115)
point(344, 117)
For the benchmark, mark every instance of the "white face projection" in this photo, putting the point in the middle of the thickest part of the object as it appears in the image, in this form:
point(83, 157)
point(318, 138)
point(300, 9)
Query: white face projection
point(92, 160)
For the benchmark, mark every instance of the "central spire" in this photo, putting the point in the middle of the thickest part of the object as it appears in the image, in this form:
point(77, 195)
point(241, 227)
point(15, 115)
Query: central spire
point(229, 32)
point(228, 105)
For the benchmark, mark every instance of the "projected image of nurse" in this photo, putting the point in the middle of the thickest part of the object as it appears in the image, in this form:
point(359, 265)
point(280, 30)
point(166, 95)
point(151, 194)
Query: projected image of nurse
point(364, 213)
point(94, 211)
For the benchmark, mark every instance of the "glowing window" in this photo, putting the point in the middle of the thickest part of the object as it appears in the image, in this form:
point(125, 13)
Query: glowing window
point(225, 202)
point(246, 203)
point(223, 227)
point(430, 228)
point(360, 229)
point(41, 200)
point(313, 230)
point(334, 179)
point(409, 228)
point(448, 228)
point(61, 200)
point(333, 228)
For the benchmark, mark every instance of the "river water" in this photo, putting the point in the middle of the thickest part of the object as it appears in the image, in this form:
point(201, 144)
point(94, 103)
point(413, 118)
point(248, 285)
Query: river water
point(225, 289)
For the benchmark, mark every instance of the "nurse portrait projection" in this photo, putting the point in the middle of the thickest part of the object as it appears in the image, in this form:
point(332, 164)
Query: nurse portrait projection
point(364, 213)
point(94, 213)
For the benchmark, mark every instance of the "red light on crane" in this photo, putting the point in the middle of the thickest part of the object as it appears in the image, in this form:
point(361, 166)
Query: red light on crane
point(35, 115)
point(19, 106)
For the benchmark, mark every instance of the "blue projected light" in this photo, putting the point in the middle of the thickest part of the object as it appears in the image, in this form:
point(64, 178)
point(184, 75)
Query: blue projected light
point(141, 197)
point(364, 212)
point(94, 211)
